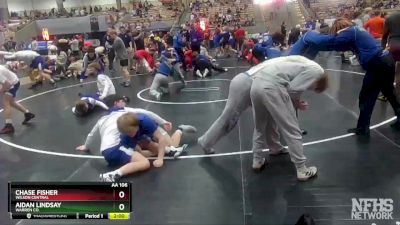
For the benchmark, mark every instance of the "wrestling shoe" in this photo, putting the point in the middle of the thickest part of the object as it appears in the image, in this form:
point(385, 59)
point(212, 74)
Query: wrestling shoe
point(306, 173)
point(187, 128)
point(183, 84)
point(206, 72)
point(109, 177)
point(177, 151)
point(207, 151)
point(198, 73)
point(7, 129)
point(258, 163)
point(282, 151)
point(395, 125)
point(359, 131)
point(125, 84)
point(28, 117)
point(303, 132)
point(33, 86)
point(158, 96)
point(54, 84)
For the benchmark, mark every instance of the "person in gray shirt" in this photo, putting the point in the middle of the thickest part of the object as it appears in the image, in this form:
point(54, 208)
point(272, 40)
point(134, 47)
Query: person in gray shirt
point(275, 92)
point(121, 54)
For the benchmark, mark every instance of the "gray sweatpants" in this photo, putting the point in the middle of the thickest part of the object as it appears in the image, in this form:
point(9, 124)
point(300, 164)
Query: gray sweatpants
point(159, 85)
point(238, 101)
point(272, 104)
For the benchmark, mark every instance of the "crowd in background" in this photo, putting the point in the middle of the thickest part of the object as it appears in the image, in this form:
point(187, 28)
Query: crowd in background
point(333, 9)
point(223, 12)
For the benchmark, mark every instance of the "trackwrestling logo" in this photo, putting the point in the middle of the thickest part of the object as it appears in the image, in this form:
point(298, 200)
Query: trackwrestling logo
point(372, 209)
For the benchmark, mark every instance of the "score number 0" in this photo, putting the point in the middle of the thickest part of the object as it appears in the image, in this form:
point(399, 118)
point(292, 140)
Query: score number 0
point(121, 206)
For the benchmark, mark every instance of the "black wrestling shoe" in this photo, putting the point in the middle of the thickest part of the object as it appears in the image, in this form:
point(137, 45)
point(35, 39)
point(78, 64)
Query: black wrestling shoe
point(125, 84)
point(28, 117)
point(303, 132)
point(395, 125)
point(7, 129)
point(359, 131)
point(33, 86)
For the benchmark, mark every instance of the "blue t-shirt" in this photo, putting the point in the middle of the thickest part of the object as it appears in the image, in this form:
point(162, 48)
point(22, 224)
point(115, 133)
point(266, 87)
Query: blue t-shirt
point(225, 37)
point(358, 40)
point(202, 59)
point(195, 37)
point(310, 44)
point(217, 40)
point(39, 60)
point(126, 39)
point(147, 127)
point(266, 40)
point(268, 52)
point(165, 67)
point(178, 41)
point(273, 53)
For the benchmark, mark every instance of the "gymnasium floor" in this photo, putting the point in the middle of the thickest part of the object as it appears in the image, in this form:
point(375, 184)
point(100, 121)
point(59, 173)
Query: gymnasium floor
point(221, 188)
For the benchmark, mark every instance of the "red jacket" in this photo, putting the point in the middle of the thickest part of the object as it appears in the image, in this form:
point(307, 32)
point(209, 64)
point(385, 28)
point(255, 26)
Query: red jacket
point(143, 54)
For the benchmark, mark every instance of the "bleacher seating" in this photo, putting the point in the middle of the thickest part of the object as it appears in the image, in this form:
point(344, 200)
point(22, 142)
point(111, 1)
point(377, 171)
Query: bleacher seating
point(387, 4)
point(324, 9)
point(242, 11)
point(157, 12)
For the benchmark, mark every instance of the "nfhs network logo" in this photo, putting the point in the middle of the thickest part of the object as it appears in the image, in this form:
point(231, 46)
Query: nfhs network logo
point(372, 209)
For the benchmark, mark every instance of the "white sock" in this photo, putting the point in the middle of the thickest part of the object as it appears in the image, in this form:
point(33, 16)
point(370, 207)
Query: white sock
point(26, 111)
point(9, 121)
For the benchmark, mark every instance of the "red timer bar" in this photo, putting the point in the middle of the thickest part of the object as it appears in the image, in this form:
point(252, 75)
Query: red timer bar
point(69, 198)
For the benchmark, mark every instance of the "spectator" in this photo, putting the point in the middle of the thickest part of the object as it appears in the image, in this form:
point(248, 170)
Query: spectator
point(108, 43)
point(139, 39)
point(34, 44)
point(74, 43)
point(375, 25)
point(10, 45)
point(121, 55)
point(366, 16)
point(127, 39)
point(283, 28)
point(294, 34)
point(240, 35)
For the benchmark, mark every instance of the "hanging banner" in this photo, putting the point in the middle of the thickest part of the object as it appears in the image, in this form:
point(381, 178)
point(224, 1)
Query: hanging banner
point(45, 34)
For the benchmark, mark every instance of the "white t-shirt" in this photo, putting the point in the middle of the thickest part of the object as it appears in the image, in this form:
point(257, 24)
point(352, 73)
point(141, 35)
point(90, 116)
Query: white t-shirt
point(26, 55)
point(7, 75)
point(105, 86)
point(74, 45)
point(108, 130)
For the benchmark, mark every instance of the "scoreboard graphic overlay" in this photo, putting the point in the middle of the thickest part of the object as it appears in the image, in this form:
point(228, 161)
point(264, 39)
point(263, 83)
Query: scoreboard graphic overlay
point(60, 200)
